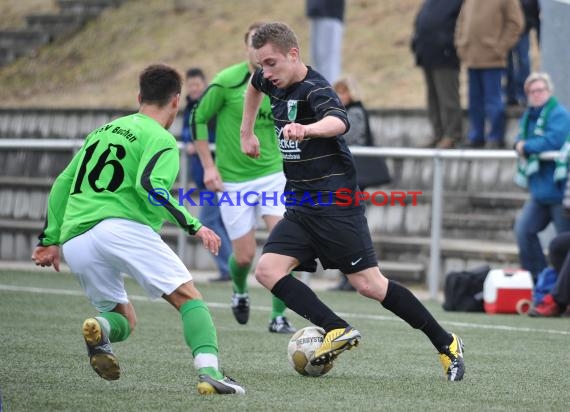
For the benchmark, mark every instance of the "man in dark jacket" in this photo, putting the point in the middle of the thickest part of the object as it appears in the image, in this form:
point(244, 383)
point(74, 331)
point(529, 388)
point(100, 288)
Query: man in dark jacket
point(434, 50)
point(519, 63)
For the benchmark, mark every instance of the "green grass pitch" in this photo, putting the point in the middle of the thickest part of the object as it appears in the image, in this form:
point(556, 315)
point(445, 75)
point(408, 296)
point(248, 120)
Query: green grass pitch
point(512, 362)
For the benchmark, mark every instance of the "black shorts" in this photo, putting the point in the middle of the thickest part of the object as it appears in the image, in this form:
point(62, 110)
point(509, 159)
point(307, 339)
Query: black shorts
point(339, 242)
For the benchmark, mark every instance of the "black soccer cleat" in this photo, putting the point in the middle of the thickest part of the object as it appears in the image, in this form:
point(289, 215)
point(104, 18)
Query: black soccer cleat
point(225, 386)
point(281, 325)
point(240, 308)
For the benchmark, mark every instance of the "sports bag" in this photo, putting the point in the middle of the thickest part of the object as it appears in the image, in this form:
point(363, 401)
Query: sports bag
point(463, 290)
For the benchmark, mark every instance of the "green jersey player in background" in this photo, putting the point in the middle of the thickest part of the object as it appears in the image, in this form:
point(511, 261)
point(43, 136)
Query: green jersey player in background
point(105, 210)
point(235, 174)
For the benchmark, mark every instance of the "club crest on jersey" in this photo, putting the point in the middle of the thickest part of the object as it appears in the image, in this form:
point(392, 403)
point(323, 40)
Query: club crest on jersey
point(292, 109)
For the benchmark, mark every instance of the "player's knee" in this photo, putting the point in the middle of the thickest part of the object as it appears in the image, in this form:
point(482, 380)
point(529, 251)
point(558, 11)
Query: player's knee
point(185, 292)
point(371, 284)
point(244, 259)
point(263, 272)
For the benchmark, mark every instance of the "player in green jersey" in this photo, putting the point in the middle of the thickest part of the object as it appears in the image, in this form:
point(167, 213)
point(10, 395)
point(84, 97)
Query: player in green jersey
point(235, 173)
point(105, 210)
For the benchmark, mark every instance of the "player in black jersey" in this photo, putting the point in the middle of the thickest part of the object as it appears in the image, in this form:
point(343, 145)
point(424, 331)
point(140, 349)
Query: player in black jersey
point(324, 219)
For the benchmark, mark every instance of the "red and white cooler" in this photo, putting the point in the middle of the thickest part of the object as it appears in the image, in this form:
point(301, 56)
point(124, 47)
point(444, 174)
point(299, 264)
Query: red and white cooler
point(507, 291)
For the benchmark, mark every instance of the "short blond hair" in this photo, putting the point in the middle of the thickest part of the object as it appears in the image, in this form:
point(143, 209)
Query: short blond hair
point(276, 33)
point(538, 76)
point(349, 84)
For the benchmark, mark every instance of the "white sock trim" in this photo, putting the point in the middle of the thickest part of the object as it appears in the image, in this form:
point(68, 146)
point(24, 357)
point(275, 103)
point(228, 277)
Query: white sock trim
point(105, 325)
point(206, 360)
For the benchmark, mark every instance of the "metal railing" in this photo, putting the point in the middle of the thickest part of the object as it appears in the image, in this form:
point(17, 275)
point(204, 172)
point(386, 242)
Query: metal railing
point(438, 156)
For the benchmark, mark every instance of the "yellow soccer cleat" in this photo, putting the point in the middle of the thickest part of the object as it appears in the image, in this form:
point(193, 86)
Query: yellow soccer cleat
point(451, 358)
point(335, 342)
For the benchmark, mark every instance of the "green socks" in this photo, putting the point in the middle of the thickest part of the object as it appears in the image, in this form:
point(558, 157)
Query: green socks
point(278, 307)
point(115, 324)
point(199, 330)
point(239, 275)
point(200, 335)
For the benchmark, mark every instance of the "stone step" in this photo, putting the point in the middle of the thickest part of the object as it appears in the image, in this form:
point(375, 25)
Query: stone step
point(54, 123)
point(89, 8)
point(404, 271)
point(27, 183)
point(477, 221)
point(496, 227)
point(467, 249)
point(56, 25)
point(7, 55)
point(497, 200)
point(398, 127)
point(43, 28)
point(22, 40)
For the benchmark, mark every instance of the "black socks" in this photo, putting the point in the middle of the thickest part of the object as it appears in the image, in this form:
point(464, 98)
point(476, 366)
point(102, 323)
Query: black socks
point(404, 304)
point(302, 300)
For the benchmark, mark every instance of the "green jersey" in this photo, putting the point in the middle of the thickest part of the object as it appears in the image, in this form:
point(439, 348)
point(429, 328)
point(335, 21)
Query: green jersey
point(115, 175)
point(224, 98)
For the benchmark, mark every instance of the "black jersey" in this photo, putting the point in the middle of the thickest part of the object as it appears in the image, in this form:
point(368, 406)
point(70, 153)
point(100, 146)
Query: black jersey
point(316, 168)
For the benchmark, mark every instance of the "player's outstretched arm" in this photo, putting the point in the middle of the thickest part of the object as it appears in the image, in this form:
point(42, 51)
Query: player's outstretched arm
point(328, 126)
point(210, 239)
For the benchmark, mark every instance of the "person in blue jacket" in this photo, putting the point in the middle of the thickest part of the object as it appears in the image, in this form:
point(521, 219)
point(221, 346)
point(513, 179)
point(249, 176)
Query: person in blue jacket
point(195, 85)
point(544, 127)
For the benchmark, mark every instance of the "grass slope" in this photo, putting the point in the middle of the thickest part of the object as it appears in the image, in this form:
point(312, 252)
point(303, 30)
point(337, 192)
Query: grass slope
point(514, 363)
point(99, 66)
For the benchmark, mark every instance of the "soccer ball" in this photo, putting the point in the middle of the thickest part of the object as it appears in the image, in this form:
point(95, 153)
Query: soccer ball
point(301, 348)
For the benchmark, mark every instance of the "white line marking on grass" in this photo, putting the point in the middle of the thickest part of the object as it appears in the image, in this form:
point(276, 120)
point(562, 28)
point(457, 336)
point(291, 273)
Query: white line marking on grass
point(67, 292)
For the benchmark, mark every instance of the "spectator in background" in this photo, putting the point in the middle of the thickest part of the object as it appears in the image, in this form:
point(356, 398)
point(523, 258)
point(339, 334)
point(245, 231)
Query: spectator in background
point(519, 64)
point(544, 127)
point(209, 214)
point(433, 47)
point(371, 171)
point(485, 32)
point(359, 133)
point(557, 301)
point(327, 25)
